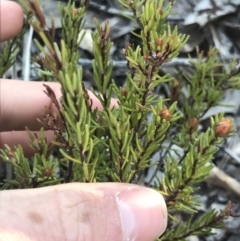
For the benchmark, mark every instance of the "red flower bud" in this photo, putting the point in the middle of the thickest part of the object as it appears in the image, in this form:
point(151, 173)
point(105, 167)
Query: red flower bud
point(165, 114)
point(47, 172)
point(124, 92)
point(11, 154)
point(159, 42)
point(223, 127)
point(160, 11)
point(75, 11)
point(146, 56)
point(193, 123)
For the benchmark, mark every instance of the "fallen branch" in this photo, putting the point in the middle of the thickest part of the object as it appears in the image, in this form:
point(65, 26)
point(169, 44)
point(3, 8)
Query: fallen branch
point(220, 179)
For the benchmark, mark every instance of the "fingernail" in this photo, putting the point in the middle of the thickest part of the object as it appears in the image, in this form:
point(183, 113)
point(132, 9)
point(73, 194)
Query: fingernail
point(143, 214)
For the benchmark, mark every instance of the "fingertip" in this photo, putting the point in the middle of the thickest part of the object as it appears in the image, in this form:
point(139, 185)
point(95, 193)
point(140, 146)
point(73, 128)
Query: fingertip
point(121, 211)
point(143, 214)
point(11, 19)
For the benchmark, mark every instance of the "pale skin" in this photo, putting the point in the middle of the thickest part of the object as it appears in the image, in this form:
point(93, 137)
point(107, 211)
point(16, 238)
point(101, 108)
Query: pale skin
point(69, 212)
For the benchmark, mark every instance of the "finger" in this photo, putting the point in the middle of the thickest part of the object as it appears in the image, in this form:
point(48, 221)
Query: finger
point(16, 138)
point(104, 211)
point(11, 19)
point(22, 102)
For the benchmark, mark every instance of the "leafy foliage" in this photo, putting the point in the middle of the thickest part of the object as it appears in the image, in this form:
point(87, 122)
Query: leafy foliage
point(117, 143)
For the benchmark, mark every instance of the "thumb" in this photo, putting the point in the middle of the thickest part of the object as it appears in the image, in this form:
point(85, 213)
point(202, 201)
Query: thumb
point(83, 212)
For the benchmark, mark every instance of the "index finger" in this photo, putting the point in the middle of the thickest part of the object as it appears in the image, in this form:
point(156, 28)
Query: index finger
point(22, 102)
point(11, 19)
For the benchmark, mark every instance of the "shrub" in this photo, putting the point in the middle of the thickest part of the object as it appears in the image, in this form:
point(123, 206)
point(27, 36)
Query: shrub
point(120, 143)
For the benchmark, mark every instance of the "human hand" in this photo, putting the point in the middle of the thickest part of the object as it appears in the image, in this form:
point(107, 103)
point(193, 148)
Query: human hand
point(77, 211)
point(82, 212)
point(22, 102)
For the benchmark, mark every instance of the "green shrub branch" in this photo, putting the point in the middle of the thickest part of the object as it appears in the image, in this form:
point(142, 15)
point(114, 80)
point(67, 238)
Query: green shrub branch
point(118, 143)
